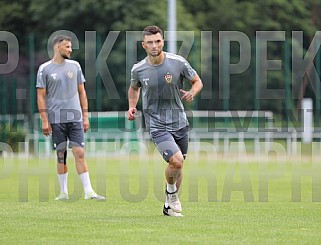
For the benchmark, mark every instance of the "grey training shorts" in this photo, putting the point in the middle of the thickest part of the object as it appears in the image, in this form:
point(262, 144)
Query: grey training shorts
point(64, 132)
point(168, 143)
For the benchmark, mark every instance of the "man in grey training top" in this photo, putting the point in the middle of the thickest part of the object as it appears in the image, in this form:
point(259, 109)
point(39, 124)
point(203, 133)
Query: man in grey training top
point(160, 76)
point(63, 108)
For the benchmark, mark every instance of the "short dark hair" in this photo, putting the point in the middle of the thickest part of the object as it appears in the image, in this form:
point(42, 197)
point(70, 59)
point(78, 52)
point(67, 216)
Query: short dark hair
point(152, 30)
point(59, 39)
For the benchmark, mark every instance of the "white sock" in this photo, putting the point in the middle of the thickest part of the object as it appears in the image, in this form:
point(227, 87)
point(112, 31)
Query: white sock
point(166, 202)
point(63, 182)
point(84, 177)
point(171, 188)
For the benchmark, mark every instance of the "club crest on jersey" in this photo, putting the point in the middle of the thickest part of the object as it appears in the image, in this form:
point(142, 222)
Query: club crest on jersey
point(168, 78)
point(70, 74)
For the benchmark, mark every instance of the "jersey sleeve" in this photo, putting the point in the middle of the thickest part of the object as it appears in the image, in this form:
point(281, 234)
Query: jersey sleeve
point(187, 71)
point(80, 75)
point(134, 78)
point(41, 78)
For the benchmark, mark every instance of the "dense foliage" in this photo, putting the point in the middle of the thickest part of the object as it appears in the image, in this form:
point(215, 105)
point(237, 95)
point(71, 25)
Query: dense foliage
point(103, 26)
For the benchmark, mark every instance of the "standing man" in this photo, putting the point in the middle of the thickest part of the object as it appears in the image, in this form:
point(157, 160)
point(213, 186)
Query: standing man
point(160, 76)
point(63, 107)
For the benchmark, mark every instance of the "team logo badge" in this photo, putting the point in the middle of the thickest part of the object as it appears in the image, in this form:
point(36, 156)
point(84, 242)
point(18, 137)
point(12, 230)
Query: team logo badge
point(70, 74)
point(168, 78)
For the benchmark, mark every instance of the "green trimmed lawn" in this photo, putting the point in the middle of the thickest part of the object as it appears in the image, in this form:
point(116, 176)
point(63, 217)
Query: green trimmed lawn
point(224, 202)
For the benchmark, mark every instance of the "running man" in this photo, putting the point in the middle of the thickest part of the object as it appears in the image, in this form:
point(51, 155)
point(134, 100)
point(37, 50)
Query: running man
point(160, 76)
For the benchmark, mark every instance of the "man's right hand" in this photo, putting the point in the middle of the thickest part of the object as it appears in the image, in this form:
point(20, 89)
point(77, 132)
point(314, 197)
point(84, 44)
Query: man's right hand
point(131, 113)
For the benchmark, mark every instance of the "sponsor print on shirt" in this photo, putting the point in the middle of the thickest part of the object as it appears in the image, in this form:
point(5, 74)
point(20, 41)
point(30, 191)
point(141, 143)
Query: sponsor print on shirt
point(53, 75)
point(145, 81)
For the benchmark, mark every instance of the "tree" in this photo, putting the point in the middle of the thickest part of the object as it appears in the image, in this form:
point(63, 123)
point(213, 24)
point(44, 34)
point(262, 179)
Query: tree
point(42, 18)
point(249, 17)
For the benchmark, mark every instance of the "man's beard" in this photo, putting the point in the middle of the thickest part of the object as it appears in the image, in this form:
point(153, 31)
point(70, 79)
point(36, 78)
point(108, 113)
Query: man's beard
point(65, 56)
point(155, 55)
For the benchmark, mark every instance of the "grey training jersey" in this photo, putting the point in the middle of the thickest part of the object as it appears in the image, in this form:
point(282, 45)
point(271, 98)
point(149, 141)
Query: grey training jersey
point(61, 84)
point(160, 84)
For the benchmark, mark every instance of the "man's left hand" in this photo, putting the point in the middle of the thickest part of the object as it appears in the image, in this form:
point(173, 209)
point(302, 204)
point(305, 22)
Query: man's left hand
point(86, 125)
point(187, 95)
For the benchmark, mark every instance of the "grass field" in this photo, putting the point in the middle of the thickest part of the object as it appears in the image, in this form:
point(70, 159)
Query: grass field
point(254, 201)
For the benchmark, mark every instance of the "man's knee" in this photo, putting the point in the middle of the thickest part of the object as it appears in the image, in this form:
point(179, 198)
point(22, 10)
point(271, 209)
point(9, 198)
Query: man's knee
point(177, 160)
point(79, 152)
point(61, 156)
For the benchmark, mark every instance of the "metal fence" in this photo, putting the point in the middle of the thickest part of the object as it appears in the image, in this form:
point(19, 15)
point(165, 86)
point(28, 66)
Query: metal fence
point(111, 133)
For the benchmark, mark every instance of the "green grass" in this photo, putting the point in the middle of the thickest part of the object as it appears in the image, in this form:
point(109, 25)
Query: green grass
point(224, 202)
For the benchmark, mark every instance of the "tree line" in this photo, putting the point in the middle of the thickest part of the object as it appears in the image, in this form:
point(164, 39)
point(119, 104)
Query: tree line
point(202, 22)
